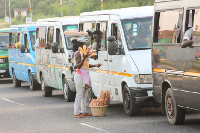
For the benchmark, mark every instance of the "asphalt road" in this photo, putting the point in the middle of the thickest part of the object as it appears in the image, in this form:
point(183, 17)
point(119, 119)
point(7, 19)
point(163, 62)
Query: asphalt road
point(22, 110)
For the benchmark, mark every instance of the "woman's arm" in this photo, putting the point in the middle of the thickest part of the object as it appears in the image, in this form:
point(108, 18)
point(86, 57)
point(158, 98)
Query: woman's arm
point(79, 62)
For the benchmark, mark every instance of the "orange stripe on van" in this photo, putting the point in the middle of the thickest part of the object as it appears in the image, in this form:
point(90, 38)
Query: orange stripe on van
point(101, 71)
point(196, 74)
point(121, 73)
point(159, 70)
point(3, 56)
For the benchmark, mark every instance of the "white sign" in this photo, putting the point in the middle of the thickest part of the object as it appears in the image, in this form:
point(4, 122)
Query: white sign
point(28, 20)
point(6, 19)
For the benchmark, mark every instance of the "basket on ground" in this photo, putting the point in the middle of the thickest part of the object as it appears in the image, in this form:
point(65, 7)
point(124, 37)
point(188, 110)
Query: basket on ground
point(98, 110)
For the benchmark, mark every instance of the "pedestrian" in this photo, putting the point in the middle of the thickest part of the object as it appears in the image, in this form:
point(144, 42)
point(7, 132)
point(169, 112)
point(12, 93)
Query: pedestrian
point(82, 81)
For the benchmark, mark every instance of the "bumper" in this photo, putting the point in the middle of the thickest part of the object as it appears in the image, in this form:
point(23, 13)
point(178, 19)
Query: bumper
point(144, 96)
point(4, 71)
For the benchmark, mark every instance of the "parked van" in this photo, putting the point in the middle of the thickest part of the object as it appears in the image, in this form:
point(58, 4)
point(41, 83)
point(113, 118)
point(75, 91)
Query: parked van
point(54, 55)
point(4, 65)
point(22, 55)
point(125, 55)
point(176, 67)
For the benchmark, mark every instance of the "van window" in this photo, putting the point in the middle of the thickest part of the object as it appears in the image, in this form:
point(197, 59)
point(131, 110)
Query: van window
point(26, 41)
point(42, 36)
point(68, 40)
point(138, 32)
point(102, 26)
point(50, 35)
point(59, 38)
point(32, 39)
point(13, 39)
point(168, 30)
point(115, 32)
point(196, 27)
point(4, 39)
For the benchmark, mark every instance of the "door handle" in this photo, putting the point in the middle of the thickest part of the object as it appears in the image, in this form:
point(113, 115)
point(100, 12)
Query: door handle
point(110, 60)
point(105, 59)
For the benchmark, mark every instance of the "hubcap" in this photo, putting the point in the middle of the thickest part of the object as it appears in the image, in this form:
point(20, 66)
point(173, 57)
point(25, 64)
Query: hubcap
point(170, 107)
point(65, 90)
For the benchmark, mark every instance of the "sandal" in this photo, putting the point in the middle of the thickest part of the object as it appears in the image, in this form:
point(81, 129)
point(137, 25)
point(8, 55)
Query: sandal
point(87, 114)
point(79, 116)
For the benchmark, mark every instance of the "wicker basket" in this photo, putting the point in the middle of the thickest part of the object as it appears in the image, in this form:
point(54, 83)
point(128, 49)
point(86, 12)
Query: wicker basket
point(98, 110)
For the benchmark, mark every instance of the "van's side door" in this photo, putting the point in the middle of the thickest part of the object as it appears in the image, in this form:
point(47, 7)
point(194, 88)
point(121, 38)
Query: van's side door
point(99, 76)
point(58, 59)
point(191, 65)
point(117, 65)
point(51, 57)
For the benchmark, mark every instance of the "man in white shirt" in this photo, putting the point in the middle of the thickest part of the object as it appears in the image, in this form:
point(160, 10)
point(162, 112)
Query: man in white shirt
point(187, 38)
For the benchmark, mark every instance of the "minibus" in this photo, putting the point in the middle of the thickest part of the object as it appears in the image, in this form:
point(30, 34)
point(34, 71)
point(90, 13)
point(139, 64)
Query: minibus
point(125, 55)
point(176, 67)
point(54, 55)
point(4, 37)
point(22, 55)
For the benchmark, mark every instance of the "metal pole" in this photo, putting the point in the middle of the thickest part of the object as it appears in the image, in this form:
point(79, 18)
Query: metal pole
point(30, 10)
point(61, 8)
point(10, 13)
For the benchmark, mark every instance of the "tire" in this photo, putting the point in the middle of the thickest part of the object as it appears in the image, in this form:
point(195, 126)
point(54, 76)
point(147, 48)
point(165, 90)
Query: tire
point(33, 84)
point(16, 82)
point(130, 107)
point(46, 91)
point(68, 94)
point(175, 115)
point(91, 95)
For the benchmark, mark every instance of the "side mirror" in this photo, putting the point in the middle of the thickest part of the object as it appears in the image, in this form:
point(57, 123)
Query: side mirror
point(112, 45)
point(62, 50)
point(22, 48)
point(55, 47)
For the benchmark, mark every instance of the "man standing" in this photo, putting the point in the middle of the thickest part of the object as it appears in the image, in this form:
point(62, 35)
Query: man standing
point(82, 81)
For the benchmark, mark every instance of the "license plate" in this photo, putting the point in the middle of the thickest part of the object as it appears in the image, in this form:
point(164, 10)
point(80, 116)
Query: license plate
point(2, 71)
point(1, 60)
point(150, 93)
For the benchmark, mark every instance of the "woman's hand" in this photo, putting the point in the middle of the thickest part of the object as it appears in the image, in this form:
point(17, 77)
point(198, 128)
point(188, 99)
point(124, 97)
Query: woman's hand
point(98, 65)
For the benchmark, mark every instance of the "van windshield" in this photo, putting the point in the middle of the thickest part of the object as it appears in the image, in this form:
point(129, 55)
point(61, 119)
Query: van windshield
point(4, 40)
point(32, 39)
point(137, 32)
point(68, 40)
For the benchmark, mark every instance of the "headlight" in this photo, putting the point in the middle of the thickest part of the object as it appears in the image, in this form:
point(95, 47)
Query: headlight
point(1, 60)
point(143, 79)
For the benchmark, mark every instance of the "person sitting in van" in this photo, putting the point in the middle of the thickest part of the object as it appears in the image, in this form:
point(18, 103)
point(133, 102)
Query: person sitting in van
point(82, 81)
point(18, 43)
point(97, 36)
point(187, 38)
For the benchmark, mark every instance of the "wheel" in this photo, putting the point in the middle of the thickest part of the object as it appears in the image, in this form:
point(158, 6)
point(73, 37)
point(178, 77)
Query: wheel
point(46, 91)
point(68, 94)
point(16, 82)
point(91, 95)
point(175, 114)
point(130, 107)
point(32, 82)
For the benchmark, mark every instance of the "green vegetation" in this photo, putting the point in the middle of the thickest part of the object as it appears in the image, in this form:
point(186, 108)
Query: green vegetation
point(51, 8)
